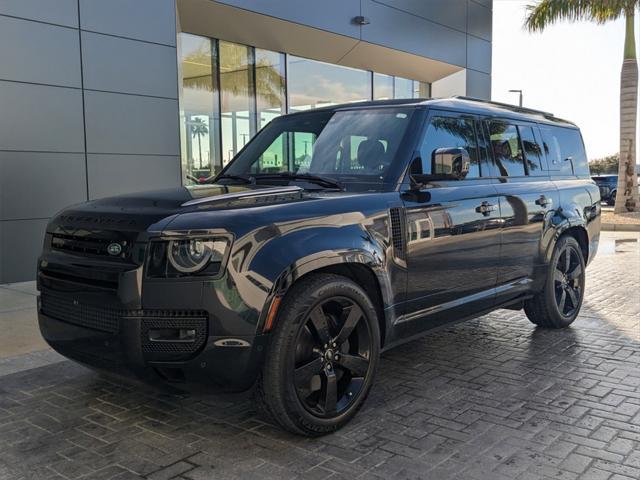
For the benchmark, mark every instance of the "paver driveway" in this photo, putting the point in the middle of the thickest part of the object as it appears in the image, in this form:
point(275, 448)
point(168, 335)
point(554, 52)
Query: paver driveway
point(494, 398)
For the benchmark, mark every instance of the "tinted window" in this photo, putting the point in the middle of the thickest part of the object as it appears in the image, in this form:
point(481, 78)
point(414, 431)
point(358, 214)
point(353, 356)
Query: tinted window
point(532, 151)
point(565, 150)
point(505, 143)
point(354, 146)
point(449, 132)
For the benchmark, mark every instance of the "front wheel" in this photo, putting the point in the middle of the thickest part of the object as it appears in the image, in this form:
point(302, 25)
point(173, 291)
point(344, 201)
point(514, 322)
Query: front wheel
point(322, 356)
point(558, 305)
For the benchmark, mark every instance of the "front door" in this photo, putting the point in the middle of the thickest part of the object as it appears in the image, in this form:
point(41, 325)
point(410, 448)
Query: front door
point(452, 230)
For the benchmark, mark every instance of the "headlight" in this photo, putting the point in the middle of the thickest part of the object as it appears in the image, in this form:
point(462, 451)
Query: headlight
point(184, 257)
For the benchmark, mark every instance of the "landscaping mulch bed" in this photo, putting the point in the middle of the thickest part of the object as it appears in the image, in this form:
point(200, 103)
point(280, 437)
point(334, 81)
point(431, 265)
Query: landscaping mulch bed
point(631, 218)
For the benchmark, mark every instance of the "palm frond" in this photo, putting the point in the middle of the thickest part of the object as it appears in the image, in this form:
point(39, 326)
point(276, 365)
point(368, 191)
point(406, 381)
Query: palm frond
point(547, 12)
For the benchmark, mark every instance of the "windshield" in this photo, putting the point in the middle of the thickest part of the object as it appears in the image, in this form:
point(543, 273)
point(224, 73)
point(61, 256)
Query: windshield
point(345, 146)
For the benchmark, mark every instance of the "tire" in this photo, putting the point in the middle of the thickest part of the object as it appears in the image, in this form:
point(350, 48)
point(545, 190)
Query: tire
point(302, 367)
point(559, 302)
point(612, 198)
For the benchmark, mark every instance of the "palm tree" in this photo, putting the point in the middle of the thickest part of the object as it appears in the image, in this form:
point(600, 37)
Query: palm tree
point(199, 129)
point(547, 12)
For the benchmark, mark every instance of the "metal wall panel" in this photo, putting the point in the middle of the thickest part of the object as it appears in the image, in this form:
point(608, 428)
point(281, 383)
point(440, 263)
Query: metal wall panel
point(40, 118)
point(330, 15)
point(37, 185)
point(118, 123)
point(478, 84)
point(402, 31)
point(478, 54)
point(480, 21)
point(61, 12)
point(39, 53)
point(20, 245)
point(485, 3)
point(121, 65)
point(117, 174)
point(148, 20)
point(451, 13)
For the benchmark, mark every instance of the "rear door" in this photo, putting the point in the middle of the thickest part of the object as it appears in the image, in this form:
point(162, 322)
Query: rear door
point(527, 200)
point(452, 229)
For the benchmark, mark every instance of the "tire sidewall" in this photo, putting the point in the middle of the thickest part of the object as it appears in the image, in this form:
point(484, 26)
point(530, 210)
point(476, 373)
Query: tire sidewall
point(297, 305)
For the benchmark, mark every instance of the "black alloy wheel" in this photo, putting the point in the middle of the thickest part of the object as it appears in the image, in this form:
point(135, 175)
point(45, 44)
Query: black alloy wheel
point(322, 356)
point(559, 302)
point(568, 281)
point(332, 357)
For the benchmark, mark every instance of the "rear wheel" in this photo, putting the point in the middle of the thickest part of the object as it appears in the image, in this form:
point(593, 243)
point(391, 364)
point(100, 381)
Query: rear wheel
point(612, 198)
point(322, 357)
point(558, 305)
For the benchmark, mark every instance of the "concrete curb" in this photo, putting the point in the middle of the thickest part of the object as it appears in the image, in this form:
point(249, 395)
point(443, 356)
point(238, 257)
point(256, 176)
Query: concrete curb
point(620, 227)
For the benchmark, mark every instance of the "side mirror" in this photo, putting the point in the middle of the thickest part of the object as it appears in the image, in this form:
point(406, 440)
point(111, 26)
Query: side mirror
point(452, 162)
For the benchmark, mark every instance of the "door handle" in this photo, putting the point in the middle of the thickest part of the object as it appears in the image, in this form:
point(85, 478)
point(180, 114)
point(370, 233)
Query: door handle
point(544, 201)
point(485, 208)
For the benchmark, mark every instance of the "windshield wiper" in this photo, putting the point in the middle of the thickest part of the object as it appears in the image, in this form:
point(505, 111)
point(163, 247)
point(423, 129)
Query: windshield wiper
point(317, 179)
point(244, 178)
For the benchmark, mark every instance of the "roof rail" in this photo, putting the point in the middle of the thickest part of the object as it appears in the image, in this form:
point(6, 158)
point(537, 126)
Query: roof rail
point(508, 106)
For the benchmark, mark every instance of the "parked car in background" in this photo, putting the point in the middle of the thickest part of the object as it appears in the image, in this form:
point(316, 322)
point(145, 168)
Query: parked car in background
point(335, 234)
point(608, 185)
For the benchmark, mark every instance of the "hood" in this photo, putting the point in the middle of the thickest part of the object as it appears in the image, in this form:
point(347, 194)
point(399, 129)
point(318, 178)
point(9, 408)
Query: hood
point(154, 210)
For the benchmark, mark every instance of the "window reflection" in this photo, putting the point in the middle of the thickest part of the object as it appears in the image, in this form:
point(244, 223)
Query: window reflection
point(315, 84)
point(505, 143)
point(449, 132)
point(382, 86)
point(199, 120)
point(269, 85)
point(421, 90)
point(229, 91)
point(532, 151)
point(403, 88)
point(236, 97)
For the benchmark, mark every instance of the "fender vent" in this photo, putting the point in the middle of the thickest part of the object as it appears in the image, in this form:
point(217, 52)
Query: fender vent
point(397, 235)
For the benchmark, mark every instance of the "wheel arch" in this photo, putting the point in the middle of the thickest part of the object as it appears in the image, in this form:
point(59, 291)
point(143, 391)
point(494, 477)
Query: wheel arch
point(367, 274)
point(579, 233)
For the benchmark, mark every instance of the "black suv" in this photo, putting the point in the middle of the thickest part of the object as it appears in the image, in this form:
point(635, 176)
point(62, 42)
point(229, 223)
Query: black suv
point(335, 234)
point(608, 185)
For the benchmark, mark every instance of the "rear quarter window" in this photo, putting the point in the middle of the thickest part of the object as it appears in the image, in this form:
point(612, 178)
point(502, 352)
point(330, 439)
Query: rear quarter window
point(565, 151)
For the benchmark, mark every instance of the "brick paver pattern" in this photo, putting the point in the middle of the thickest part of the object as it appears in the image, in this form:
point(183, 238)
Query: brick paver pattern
point(494, 398)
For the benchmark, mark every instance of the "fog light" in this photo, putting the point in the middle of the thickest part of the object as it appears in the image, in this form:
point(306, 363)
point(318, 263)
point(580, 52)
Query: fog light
point(179, 335)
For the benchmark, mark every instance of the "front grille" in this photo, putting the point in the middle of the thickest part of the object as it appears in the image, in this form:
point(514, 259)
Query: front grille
point(87, 245)
point(108, 320)
point(89, 316)
point(190, 320)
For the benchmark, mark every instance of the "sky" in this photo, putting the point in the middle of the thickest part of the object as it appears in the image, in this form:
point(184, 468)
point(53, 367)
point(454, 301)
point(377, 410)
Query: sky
point(571, 70)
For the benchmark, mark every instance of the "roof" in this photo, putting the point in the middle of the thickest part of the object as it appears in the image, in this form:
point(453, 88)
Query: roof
point(464, 104)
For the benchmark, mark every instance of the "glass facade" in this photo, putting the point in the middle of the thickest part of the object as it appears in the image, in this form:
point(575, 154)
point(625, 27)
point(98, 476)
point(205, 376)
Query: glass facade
point(230, 91)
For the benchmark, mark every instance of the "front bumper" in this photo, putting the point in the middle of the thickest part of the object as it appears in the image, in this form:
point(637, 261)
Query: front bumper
point(85, 327)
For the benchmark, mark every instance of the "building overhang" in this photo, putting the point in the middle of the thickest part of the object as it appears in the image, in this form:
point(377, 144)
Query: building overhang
point(217, 20)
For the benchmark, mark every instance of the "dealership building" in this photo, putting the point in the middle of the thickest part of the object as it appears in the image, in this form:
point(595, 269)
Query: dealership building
point(102, 97)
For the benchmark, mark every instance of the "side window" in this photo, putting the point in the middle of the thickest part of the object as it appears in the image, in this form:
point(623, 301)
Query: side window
point(505, 143)
point(445, 133)
point(564, 150)
point(486, 162)
point(288, 151)
point(532, 151)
